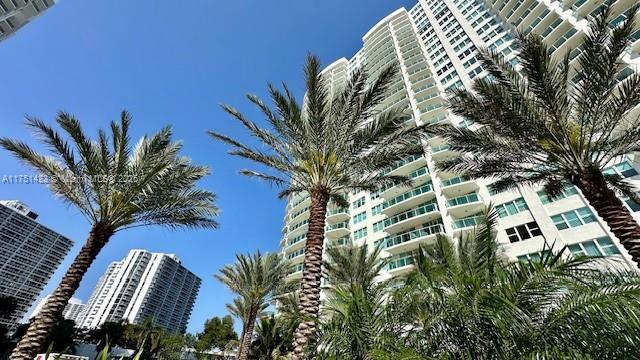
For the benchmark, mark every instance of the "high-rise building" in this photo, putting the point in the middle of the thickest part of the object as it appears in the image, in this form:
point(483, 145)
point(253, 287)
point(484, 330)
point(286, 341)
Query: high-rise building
point(73, 311)
point(144, 285)
point(29, 255)
point(15, 14)
point(435, 44)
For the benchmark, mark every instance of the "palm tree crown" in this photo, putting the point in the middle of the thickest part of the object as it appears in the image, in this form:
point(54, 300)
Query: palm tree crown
point(555, 122)
point(329, 144)
point(116, 186)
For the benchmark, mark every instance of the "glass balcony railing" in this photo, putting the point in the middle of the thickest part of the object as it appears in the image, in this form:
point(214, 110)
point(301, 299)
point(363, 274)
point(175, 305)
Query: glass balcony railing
point(337, 211)
point(343, 241)
point(465, 199)
point(340, 225)
point(440, 148)
point(420, 210)
point(402, 260)
point(455, 180)
point(299, 212)
point(300, 201)
point(298, 225)
point(404, 237)
point(408, 195)
point(403, 162)
point(418, 172)
point(295, 254)
point(296, 268)
point(297, 239)
point(466, 222)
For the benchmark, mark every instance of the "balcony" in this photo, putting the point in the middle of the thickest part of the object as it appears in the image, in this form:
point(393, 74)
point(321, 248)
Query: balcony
point(401, 263)
point(466, 224)
point(463, 205)
point(337, 214)
point(296, 242)
point(298, 227)
point(458, 185)
point(337, 230)
point(406, 165)
point(411, 218)
point(408, 199)
point(295, 271)
point(441, 152)
point(343, 241)
point(410, 239)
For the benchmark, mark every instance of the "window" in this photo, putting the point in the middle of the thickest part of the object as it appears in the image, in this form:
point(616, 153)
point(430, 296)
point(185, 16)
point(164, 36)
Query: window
point(356, 204)
point(523, 232)
point(573, 218)
point(533, 257)
point(376, 209)
point(360, 217)
point(566, 192)
point(378, 226)
point(623, 169)
point(634, 206)
point(596, 247)
point(512, 207)
point(360, 233)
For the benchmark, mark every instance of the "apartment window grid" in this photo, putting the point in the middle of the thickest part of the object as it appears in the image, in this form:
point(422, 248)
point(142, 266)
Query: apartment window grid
point(358, 203)
point(512, 207)
point(535, 256)
point(624, 169)
point(573, 218)
point(523, 232)
point(360, 233)
point(602, 246)
point(360, 217)
point(565, 193)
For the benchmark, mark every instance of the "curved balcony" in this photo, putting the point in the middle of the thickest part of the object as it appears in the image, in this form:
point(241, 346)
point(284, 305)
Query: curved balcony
point(295, 271)
point(295, 255)
point(458, 185)
point(306, 200)
point(418, 176)
point(466, 224)
point(299, 214)
point(337, 214)
point(343, 241)
point(296, 242)
point(441, 152)
point(410, 239)
point(408, 199)
point(337, 230)
point(411, 218)
point(464, 205)
point(407, 165)
point(298, 227)
point(401, 263)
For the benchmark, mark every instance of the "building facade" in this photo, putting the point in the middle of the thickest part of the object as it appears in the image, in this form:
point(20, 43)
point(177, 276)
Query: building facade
point(435, 44)
point(144, 285)
point(29, 255)
point(15, 14)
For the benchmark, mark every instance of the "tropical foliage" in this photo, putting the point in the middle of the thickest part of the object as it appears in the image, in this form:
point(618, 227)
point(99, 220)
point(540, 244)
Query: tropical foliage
point(334, 143)
point(114, 186)
point(464, 300)
point(256, 279)
point(217, 333)
point(556, 121)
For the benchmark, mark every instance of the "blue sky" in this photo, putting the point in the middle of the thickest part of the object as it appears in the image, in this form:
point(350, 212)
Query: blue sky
point(171, 62)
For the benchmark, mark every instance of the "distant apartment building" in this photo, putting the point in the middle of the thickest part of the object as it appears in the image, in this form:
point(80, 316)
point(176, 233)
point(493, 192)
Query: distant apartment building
point(73, 311)
point(29, 255)
point(15, 14)
point(435, 45)
point(144, 285)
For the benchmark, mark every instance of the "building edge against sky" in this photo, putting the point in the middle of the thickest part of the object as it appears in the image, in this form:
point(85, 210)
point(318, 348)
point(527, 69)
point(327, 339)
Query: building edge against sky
point(14, 14)
point(29, 255)
point(435, 42)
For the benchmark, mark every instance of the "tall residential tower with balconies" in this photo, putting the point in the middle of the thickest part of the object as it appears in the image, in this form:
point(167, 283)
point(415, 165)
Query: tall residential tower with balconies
point(435, 44)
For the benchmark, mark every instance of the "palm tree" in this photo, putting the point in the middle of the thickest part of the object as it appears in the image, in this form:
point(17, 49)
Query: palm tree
point(241, 310)
point(256, 279)
point(469, 303)
point(554, 122)
point(270, 342)
point(324, 149)
point(358, 307)
point(114, 187)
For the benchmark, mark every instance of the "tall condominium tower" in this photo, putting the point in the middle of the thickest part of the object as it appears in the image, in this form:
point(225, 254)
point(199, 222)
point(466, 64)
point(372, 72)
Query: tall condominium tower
point(435, 44)
point(144, 285)
point(29, 255)
point(15, 14)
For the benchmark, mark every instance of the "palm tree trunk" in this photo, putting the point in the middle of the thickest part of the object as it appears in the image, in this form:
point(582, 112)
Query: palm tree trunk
point(611, 209)
point(245, 343)
point(33, 340)
point(310, 288)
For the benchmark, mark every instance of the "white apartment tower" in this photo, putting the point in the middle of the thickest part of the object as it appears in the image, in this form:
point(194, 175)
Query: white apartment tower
point(435, 43)
point(15, 14)
point(144, 285)
point(73, 311)
point(29, 255)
